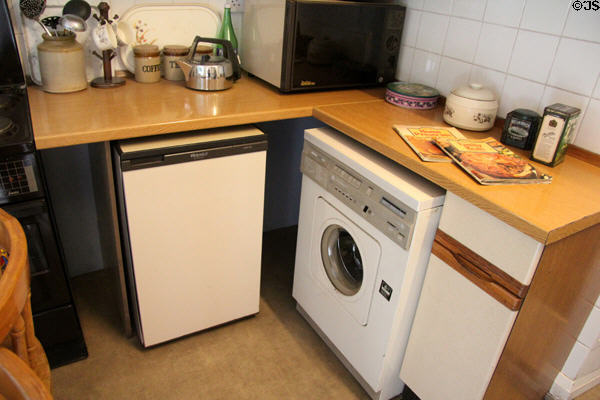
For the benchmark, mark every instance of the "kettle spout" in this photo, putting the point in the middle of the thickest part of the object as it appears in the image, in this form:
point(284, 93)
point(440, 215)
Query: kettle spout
point(185, 66)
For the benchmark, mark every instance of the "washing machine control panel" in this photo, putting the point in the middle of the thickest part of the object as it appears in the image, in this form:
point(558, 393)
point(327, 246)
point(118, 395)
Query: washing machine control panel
point(391, 216)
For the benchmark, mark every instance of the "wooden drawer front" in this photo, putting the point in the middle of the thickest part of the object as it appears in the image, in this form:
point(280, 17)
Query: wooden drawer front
point(512, 251)
point(479, 271)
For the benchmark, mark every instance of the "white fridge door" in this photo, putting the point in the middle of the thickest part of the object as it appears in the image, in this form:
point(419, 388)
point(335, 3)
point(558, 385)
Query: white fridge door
point(457, 337)
point(195, 230)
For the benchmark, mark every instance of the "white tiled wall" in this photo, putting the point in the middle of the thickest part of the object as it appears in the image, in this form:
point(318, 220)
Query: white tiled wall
point(532, 53)
point(28, 32)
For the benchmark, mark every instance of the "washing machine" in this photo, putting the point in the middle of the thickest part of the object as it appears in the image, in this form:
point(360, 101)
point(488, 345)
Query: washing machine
point(365, 232)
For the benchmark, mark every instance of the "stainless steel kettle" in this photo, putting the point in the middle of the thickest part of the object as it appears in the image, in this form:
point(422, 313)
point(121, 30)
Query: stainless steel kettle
point(210, 72)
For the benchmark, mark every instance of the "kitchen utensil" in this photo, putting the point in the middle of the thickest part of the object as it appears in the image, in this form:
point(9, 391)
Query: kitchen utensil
point(77, 7)
point(471, 107)
point(72, 23)
point(62, 63)
point(411, 95)
point(521, 128)
point(166, 24)
point(32, 9)
point(104, 37)
point(125, 33)
point(51, 22)
point(209, 72)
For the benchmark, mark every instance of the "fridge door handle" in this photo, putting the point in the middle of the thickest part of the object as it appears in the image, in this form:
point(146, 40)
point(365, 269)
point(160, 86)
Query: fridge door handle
point(488, 277)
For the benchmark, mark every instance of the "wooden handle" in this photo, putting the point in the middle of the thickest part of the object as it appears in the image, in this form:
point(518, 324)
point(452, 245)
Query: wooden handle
point(479, 271)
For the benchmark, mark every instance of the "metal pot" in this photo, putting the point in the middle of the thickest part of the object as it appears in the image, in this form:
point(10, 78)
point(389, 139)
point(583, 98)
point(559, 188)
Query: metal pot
point(210, 72)
point(471, 107)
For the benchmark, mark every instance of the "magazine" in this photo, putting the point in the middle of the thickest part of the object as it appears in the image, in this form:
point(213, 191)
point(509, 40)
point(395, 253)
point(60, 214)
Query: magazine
point(422, 140)
point(490, 162)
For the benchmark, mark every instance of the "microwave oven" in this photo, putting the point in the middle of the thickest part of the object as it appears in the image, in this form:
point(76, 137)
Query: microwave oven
point(299, 45)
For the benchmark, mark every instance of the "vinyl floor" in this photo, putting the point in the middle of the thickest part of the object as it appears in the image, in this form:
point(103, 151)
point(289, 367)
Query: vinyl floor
point(273, 355)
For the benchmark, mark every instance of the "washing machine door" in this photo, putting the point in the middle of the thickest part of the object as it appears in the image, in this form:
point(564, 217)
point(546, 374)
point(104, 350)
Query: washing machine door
point(341, 260)
point(345, 259)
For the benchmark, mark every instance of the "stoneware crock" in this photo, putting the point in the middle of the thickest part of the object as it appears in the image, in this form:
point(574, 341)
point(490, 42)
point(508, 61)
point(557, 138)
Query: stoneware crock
point(471, 107)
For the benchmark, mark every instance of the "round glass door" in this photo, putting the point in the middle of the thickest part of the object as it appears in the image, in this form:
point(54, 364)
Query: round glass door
point(341, 260)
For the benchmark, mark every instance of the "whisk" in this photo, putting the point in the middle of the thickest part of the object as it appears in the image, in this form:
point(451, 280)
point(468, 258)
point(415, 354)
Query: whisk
point(33, 9)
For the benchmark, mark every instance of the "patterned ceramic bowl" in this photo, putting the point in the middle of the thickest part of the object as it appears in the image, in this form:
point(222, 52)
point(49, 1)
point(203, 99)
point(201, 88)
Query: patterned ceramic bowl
point(411, 95)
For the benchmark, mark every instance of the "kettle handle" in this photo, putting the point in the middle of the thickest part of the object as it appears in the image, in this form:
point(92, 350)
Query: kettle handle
point(229, 53)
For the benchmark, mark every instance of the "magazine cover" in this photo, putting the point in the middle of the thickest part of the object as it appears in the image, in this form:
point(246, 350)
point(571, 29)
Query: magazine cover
point(490, 162)
point(422, 140)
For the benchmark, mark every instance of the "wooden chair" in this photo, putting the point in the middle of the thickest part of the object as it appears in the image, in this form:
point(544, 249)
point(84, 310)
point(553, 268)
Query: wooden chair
point(16, 322)
point(18, 381)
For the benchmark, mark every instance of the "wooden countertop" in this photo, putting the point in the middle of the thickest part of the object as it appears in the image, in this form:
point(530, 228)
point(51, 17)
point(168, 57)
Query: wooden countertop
point(545, 212)
point(138, 109)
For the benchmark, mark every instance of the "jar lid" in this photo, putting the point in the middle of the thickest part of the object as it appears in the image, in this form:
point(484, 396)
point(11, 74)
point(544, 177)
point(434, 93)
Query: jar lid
point(413, 89)
point(475, 91)
point(525, 114)
point(146, 50)
point(203, 49)
point(175, 50)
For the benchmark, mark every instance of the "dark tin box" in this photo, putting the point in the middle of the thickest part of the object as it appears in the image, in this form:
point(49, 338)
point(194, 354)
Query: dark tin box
point(521, 128)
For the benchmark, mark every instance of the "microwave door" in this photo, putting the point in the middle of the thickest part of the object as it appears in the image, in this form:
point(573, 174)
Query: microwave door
point(333, 45)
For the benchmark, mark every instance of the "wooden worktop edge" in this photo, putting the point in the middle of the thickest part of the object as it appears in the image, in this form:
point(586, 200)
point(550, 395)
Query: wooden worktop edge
point(91, 136)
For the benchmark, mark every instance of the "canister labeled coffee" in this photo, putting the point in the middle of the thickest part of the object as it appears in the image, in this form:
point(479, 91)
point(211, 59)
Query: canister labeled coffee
point(147, 63)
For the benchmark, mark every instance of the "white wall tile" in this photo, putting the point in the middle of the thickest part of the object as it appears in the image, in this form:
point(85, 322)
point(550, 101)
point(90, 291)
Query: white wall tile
point(469, 9)
point(547, 16)
point(520, 93)
point(589, 135)
point(532, 55)
point(462, 38)
point(405, 63)
point(438, 6)
point(583, 25)
point(425, 68)
point(491, 79)
point(590, 333)
point(504, 12)
point(576, 66)
point(495, 46)
point(597, 91)
point(453, 73)
point(411, 27)
point(575, 360)
point(553, 95)
point(591, 363)
point(432, 31)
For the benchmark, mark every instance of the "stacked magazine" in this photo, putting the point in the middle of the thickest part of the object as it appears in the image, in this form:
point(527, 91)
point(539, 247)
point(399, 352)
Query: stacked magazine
point(488, 161)
point(422, 140)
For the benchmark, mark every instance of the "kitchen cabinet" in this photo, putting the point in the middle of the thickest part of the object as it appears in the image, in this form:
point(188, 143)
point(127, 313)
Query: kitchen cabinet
point(471, 337)
point(467, 306)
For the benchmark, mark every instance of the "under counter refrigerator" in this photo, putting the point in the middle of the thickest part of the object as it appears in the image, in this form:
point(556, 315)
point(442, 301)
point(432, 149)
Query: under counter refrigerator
point(191, 214)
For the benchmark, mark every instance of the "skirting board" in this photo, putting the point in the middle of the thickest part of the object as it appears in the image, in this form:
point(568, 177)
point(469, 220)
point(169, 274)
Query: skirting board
point(564, 388)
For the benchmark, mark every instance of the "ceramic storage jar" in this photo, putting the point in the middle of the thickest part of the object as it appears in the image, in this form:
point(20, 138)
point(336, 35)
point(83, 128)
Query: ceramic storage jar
point(62, 63)
point(471, 107)
point(172, 53)
point(147, 63)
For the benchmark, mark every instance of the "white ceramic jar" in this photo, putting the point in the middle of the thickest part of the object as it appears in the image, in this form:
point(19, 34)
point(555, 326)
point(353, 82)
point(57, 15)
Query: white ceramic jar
point(62, 63)
point(472, 107)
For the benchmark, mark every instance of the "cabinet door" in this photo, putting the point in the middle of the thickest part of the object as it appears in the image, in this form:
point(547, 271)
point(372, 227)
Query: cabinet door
point(457, 337)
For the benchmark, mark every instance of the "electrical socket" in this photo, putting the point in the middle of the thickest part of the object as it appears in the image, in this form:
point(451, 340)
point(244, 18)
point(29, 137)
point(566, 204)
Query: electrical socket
point(237, 6)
